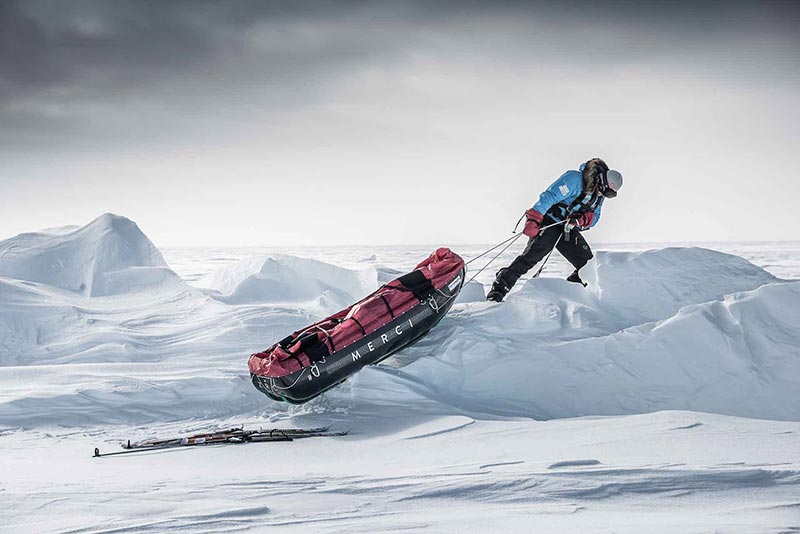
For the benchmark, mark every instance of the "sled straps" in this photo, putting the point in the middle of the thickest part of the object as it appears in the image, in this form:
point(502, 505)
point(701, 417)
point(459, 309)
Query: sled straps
point(500, 244)
point(417, 283)
point(360, 326)
point(508, 242)
point(295, 357)
point(327, 336)
point(286, 342)
point(386, 302)
point(310, 344)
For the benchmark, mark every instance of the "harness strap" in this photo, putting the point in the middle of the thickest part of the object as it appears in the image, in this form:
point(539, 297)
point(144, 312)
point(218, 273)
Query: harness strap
point(587, 201)
point(417, 283)
point(391, 312)
point(286, 342)
point(293, 356)
point(363, 332)
point(328, 337)
point(317, 352)
point(313, 347)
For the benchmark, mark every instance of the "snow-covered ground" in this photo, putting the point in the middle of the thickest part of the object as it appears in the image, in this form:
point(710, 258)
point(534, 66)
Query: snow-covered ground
point(665, 397)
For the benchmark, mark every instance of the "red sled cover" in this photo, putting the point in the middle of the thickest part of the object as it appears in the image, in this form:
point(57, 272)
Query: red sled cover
point(346, 327)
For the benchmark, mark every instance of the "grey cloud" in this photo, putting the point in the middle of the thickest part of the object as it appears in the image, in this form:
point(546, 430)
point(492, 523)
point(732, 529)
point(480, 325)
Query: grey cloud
point(44, 41)
point(93, 70)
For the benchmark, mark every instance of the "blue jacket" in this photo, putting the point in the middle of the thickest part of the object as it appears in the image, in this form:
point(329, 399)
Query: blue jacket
point(564, 191)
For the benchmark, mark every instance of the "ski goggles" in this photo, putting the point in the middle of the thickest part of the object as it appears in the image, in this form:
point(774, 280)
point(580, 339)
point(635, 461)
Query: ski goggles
point(605, 189)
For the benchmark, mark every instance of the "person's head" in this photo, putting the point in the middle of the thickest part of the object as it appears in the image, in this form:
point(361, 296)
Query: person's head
point(597, 177)
point(613, 183)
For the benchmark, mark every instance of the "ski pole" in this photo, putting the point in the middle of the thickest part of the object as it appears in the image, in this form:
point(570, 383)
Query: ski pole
point(547, 258)
point(514, 231)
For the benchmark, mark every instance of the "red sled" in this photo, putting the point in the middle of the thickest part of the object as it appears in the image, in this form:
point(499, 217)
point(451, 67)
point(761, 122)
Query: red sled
point(312, 360)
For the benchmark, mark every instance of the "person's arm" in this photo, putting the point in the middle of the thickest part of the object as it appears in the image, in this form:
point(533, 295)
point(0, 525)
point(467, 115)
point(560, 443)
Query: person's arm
point(563, 189)
point(567, 187)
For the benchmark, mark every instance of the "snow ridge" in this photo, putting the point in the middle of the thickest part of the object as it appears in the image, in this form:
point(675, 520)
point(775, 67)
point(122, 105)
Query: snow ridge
point(285, 278)
point(95, 328)
point(108, 256)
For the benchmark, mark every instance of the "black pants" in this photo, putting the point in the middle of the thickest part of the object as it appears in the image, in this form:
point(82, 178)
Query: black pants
point(575, 249)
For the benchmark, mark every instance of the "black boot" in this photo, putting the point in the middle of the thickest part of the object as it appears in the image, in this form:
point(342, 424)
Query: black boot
point(499, 288)
point(495, 295)
point(575, 277)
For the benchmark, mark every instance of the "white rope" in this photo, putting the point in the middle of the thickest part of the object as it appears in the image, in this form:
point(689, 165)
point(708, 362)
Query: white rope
point(303, 371)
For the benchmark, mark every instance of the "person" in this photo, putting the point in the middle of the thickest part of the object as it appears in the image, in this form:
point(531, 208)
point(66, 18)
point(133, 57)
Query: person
point(570, 205)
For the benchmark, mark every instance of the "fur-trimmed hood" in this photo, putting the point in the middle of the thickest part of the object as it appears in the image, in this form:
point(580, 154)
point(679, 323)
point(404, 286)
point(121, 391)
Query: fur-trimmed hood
point(591, 172)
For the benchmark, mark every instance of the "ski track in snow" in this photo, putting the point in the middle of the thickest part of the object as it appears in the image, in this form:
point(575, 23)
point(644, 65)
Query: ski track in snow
point(555, 410)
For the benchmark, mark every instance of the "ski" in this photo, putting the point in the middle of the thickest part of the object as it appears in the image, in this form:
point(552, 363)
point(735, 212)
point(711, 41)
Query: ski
point(275, 435)
point(225, 435)
point(222, 437)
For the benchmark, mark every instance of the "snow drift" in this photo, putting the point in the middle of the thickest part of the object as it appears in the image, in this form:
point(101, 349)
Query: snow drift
point(677, 328)
point(108, 256)
point(284, 278)
point(51, 284)
point(636, 287)
point(715, 333)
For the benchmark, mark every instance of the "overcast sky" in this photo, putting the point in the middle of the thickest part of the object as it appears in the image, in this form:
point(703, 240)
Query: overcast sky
point(277, 123)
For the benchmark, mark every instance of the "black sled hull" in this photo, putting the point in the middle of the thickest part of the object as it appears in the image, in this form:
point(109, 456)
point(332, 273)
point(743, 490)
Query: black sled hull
point(399, 333)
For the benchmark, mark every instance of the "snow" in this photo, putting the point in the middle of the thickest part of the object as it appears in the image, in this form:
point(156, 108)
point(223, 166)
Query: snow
point(669, 278)
point(471, 292)
point(108, 256)
point(642, 473)
point(283, 278)
point(663, 397)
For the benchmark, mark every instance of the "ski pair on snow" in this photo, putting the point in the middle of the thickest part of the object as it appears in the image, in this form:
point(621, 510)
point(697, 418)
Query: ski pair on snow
point(224, 437)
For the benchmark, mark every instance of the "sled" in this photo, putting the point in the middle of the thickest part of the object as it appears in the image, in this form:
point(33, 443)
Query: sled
point(324, 354)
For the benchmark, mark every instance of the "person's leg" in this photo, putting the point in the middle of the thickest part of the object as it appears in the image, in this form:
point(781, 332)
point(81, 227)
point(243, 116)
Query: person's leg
point(576, 250)
point(536, 249)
